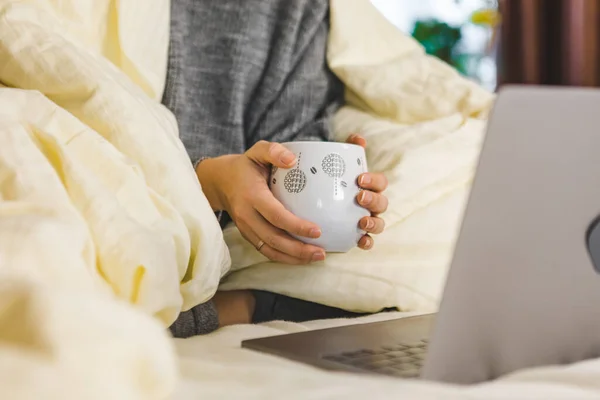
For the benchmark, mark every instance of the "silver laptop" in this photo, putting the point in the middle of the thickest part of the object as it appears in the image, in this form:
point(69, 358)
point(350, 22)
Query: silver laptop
point(523, 289)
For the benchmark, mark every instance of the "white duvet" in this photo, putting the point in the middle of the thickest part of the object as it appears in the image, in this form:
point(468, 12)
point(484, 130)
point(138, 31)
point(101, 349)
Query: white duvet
point(215, 367)
point(105, 234)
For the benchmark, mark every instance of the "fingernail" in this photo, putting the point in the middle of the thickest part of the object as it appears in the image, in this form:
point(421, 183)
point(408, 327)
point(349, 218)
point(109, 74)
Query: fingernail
point(365, 198)
point(370, 224)
point(365, 179)
point(318, 256)
point(369, 243)
point(287, 158)
point(314, 233)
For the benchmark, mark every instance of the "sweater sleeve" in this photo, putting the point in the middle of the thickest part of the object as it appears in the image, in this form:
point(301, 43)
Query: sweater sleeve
point(200, 320)
point(244, 71)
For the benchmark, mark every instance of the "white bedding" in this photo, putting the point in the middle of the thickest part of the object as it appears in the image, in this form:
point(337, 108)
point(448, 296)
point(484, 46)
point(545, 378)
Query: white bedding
point(105, 234)
point(215, 367)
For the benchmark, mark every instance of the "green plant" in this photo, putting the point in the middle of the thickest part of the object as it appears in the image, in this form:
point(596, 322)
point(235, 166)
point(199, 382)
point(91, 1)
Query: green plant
point(439, 39)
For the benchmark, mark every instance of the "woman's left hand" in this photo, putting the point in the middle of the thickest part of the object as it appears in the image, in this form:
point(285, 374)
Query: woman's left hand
point(370, 198)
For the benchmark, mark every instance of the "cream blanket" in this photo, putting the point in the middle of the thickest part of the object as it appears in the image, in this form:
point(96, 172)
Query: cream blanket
point(105, 234)
point(102, 220)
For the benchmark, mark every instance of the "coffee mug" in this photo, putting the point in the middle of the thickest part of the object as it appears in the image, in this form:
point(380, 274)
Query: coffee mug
point(322, 188)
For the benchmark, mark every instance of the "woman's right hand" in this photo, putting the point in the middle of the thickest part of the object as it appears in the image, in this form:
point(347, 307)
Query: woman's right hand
point(238, 184)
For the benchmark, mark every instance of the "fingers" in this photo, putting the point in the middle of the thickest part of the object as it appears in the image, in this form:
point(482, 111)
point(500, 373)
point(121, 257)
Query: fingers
point(274, 212)
point(373, 182)
point(265, 152)
point(266, 250)
point(279, 246)
point(376, 203)
point(284, 243)
point(371, 199)
point(365, 242)
point(280, 257)
point(357, 139)
point(373, 225)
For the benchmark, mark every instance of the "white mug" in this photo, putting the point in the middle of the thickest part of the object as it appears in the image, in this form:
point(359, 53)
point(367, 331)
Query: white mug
point(322, 188)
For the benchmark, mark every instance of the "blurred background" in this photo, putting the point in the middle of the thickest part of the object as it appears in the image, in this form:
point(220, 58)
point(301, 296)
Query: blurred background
point(495, 42)
point(460, 32)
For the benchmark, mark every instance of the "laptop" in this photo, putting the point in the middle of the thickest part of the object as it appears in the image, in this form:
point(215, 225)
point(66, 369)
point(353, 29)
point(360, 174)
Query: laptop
point(523, 289)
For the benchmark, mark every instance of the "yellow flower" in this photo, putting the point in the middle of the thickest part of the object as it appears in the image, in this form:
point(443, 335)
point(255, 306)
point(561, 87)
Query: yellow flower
point(487, 17)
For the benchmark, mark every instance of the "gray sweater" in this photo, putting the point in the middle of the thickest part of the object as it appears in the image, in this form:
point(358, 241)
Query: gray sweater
point(241, 71)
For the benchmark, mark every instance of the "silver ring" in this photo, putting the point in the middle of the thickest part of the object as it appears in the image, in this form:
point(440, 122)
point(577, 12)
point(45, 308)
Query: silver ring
point(260, 245)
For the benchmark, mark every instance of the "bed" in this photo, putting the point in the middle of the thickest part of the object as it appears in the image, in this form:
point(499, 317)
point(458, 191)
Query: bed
point(105, 235)
point(216, 367)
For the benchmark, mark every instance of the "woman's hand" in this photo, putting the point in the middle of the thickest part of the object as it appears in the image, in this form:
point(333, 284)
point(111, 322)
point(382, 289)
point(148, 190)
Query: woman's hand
point(238, 185)
point(370, 198)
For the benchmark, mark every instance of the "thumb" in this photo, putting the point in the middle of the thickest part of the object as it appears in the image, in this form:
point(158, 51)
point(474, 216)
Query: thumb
point(276, 154)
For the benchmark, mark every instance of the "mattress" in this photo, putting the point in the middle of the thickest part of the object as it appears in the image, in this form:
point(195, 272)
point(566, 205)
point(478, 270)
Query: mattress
point(216, 367)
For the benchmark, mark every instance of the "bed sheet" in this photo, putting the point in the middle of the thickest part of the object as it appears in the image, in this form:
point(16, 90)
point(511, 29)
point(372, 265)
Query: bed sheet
point(216, 367)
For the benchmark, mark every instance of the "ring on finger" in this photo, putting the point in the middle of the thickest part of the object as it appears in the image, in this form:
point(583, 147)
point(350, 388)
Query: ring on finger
point(259, 245)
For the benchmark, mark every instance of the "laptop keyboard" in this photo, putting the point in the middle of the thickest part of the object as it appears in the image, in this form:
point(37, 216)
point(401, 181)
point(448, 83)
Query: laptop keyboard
point(403, 360)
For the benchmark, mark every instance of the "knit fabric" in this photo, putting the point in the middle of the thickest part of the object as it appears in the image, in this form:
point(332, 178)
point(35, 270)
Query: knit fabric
point(244, 71)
